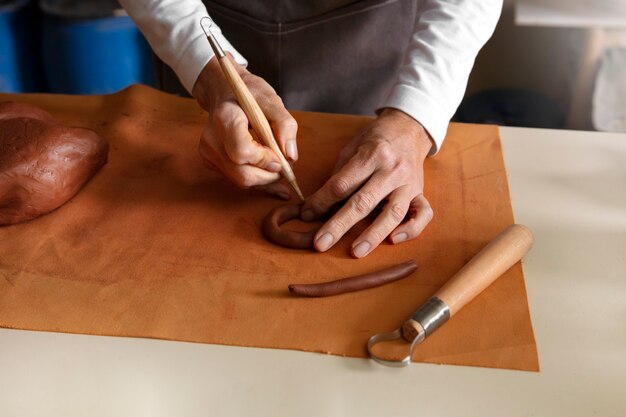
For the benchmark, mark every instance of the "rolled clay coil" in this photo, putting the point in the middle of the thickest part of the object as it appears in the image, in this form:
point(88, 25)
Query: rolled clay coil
point(273, 231)
point(356, 283)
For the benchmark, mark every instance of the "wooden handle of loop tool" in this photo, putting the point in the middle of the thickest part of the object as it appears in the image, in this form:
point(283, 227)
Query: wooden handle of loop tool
point(482, 270)
point(504, 251)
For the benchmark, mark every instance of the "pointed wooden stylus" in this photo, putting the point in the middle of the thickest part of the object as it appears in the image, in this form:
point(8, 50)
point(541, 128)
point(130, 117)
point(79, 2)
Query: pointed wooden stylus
point(257, 119)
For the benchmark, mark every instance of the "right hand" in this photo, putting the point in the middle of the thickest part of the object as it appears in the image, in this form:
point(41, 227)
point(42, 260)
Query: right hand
point(227, 145)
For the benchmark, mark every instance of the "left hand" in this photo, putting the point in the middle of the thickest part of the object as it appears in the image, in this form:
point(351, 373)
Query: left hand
point(384, 162)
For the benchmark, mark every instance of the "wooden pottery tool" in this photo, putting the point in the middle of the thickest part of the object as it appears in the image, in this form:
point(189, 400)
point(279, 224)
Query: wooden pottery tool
point(251, 108)
point(491, 262)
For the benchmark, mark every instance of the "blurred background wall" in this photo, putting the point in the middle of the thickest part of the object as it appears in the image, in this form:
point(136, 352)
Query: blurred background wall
point(529, 57)
point(550, 63)
point(555, 48)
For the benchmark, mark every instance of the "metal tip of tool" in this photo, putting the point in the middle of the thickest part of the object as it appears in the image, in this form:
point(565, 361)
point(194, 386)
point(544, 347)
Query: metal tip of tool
point(390, 336)
point(206, 23)
point(206, 29)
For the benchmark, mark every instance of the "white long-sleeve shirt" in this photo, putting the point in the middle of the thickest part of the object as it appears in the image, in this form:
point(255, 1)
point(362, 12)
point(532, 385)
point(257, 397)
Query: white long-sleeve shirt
point(430, 85)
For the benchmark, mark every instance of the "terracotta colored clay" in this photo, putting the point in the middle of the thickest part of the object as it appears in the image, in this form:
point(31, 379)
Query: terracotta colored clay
point(288, 238)
point(42, 163)
point(356, 283)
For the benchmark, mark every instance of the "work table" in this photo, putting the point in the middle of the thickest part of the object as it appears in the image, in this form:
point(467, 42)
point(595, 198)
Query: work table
point(569, 187)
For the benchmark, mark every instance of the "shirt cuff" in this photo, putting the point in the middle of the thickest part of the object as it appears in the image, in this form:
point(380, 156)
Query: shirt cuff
point(196, 56)
point(422, 108)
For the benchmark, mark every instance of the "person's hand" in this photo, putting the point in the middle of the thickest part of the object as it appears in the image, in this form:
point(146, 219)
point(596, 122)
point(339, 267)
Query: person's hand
point(227, 145)
point(384, 162)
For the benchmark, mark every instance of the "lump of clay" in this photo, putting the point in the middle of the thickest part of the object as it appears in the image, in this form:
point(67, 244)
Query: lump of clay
point(42, 163)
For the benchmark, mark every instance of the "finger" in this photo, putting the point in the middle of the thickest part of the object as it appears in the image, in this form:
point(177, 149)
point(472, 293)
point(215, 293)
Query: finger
point(248, 176)
point(284, 126)
point(391, 216)
point(241, 148)
point(420, 214)
point(338, 187)
point(356, 208)
point(278, 189)
point(214, 155)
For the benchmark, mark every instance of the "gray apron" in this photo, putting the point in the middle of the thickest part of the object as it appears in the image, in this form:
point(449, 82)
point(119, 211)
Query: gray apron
point(338, 56)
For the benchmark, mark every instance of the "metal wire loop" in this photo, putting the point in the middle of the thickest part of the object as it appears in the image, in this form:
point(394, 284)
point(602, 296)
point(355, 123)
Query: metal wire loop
point(207, 29)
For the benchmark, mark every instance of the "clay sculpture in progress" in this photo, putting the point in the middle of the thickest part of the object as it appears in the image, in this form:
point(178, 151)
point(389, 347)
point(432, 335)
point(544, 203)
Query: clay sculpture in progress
point(274, 232)
point(42, 163)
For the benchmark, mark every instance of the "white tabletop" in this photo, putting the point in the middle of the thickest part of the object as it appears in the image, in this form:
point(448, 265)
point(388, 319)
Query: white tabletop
point(568, 187)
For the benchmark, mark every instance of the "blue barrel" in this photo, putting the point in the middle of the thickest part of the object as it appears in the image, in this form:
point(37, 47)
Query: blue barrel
point(20, 63)
point(92, 49)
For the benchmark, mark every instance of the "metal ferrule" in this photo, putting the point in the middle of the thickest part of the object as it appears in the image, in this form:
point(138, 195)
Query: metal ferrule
point(432, 314)
point(217, 49)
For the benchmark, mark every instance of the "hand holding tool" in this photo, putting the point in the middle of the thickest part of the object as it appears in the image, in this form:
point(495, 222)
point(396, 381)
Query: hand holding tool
point(255, 115)
point(491, 262)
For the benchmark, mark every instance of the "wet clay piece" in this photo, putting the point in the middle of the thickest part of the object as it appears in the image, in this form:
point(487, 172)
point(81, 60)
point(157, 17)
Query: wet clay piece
point(42, 163)
point(356, 283)
point(288, 238)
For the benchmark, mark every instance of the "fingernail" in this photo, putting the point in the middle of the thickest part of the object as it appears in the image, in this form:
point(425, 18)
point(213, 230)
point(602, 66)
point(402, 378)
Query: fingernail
point(361, 249)
point(284, 196)
point(400, 237)
point(292, 150)
point(274, 166)
point(307, 215)
point(324, 242)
